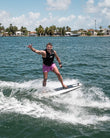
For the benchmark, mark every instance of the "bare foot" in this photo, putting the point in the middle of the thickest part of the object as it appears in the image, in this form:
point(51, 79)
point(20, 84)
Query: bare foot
point(65, 86)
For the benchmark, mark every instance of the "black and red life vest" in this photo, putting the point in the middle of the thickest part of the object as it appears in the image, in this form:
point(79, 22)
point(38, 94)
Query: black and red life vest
point(49, 58)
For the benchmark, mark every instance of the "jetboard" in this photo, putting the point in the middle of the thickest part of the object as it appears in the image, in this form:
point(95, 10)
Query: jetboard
point(60, 90)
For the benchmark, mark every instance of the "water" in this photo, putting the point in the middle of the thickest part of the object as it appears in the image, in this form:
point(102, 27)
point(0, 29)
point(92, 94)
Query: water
point(82, 113)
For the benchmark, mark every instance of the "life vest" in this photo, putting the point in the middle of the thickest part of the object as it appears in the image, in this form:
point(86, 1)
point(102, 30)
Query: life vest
point(49, 58)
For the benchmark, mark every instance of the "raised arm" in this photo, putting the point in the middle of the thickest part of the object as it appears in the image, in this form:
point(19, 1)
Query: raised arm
point(58, 59)
point(40, 52)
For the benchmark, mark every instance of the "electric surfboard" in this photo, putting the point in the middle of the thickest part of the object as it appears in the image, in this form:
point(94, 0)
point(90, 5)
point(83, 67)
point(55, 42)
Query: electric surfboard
point(60, 90)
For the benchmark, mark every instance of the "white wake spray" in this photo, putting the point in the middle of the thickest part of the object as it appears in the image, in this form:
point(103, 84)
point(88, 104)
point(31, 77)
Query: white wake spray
point(82, 106)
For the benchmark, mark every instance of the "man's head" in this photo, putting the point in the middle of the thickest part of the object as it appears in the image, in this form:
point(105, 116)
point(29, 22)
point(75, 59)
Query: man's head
point(49, 47)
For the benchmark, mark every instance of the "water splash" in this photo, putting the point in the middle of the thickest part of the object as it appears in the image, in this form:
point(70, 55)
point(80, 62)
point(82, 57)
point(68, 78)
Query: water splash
point(84, 105)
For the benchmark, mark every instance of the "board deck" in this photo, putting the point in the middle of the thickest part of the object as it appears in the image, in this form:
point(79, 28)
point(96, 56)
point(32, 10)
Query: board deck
point(60, 90)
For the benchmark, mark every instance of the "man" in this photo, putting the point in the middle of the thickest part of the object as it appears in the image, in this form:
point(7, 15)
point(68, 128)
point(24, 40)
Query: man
point(48, 57)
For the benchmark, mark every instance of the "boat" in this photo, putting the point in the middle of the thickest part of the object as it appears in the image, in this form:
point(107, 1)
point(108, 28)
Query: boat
point(74, 35)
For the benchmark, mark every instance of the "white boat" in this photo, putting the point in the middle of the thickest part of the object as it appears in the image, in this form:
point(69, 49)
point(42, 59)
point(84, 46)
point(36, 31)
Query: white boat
point(75, 35)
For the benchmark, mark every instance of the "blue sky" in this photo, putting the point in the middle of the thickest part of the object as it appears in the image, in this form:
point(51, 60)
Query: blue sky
point(74, 13)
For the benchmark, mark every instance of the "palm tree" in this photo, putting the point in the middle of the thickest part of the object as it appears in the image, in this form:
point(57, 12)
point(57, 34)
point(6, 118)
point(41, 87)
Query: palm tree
point(68, 29)
point(109, 27)
point(11, 30)
point(40, 30)
point(46, 31)
point(63, 31)
point(100, 27)
point(52, 30)
point(24, 30)
point(2, 29)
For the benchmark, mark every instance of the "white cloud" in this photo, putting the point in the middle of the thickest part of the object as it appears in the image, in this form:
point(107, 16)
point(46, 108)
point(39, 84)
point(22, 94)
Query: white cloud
point(33, 15)
point(90, 7)
point(32, 20)
point(55, 20)
point(4, 17)
point(105, 10)
point(105, 3)
point(98, 8)
point(48, 21)
point(100, 11)
point(58, 4)
point(28, 20)
point(4, 13)
point(84, 22)
point(18, 20)
point(66, 19)
point(90, 2)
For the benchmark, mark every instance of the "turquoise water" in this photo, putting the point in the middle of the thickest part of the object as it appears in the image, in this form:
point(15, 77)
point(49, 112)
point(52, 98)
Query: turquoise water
point(82, 113)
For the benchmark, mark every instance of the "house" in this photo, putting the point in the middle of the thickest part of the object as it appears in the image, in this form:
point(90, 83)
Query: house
point(32, 34)
point(5, 34)
point(104, 31)
point(92, 31)
point(19, 33)
point(108, 32)
point(82, 32)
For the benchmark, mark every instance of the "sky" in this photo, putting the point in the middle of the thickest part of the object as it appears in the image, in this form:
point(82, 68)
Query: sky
point(77, 14)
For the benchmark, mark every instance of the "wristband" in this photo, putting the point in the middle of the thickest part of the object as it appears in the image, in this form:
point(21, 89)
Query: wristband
point(60, 63)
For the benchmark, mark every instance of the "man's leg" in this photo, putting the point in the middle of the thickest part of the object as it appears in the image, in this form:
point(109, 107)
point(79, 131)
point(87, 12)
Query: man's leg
point(56, 71)
point(45, 78)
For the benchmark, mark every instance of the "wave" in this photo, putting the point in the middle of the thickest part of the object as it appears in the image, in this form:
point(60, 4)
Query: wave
point(85, 106)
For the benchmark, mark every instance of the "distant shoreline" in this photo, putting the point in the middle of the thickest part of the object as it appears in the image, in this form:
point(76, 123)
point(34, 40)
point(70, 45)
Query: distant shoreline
point(63, 36)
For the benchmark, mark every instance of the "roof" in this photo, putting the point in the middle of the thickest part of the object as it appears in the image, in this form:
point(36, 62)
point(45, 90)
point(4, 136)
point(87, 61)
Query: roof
point(91, 30)
point(32, 32)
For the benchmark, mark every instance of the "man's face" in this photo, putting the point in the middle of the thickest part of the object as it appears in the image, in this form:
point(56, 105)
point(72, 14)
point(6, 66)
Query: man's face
point(49, 47)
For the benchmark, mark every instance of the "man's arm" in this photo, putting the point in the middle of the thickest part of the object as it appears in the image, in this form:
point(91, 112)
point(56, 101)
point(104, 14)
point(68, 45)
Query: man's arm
point(58, 59)
point(40, 52)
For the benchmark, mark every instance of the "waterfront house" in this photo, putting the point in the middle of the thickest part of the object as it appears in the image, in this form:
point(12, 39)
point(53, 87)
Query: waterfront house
point(92, 31)
point(18, 33)
point(32, 34)
point(108, 32)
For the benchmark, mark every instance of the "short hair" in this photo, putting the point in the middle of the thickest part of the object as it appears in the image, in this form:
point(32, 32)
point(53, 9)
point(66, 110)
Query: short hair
point(49, 44)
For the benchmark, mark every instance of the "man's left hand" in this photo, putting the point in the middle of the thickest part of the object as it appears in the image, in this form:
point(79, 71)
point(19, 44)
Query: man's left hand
point(60, 65)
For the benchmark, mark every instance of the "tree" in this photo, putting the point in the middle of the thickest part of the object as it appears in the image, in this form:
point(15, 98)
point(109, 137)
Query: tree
point(63, 31)
point(100, 33)
point(2, 29)
point(57, 30)
point(24, 30)
point(89, 33)
point(52, 30)
point(68, 29)
point(109, 26)
point(11, 30)
point(100, 27)
point(60, 30)
point(40, 30)
point(46, 31)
